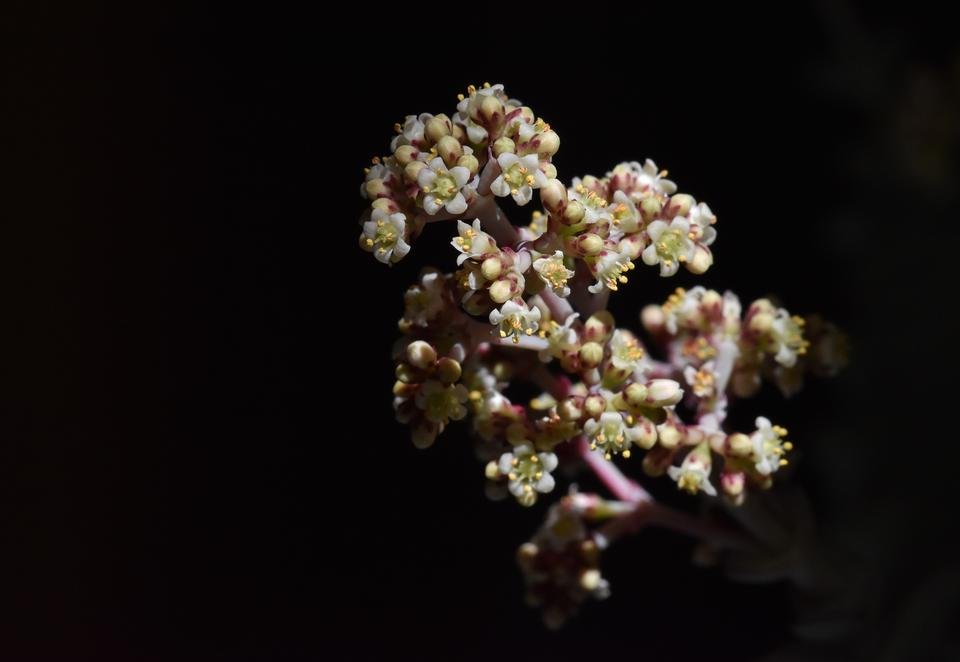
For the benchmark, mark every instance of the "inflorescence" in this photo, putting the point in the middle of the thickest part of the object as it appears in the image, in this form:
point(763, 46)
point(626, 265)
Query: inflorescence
point(529, 302)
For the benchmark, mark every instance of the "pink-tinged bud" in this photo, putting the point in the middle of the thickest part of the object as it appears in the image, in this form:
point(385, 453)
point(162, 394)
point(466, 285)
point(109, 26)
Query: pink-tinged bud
point(502, 290)
point(568, 410)
point(490, 113)
point(712, 302)
point(377, 188)
point(549, 170)
point(599, 326)
point(459, 133)
point(591, 354)
point(437, 127)
point(503, 146)
point(405, 154)
point(470, 162)
point(732, 482)
point(589, 243)
point(412, 169)
point(761, 323)
point(650, 208)
point(450, 150)
point(548, 143)
point(448, 370)
point(663, 392)
point(652, 318)
point(554, 196)
point(573, 214)
point(701, 261)
point(631, 246)
point(679, 205)
point(386, 204)
point(648, 434)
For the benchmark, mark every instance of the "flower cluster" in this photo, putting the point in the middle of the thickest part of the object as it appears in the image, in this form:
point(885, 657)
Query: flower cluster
point(527, 304)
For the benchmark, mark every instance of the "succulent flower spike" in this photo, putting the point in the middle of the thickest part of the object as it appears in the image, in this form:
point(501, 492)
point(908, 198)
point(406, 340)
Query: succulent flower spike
point(527, 303)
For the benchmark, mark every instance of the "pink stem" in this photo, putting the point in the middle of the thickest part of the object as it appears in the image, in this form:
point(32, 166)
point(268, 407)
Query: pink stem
point(624, 488)
point(560, 308)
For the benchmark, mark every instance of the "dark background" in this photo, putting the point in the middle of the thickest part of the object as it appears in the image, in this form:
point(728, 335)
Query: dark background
point(204, 464)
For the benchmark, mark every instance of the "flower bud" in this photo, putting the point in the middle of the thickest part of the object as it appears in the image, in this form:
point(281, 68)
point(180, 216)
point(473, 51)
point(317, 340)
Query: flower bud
point(663, 392)
point(568, 410)
point(548, 143)
point(761, 323)
point(701, 261)
point(554, 196)
point(421, 354)
point(594, 405)
point(650, 208)
point(491, 268)
point(549, 170)
point(631, 246)
point(648, 435)
point(490, 112)
point(669, 435)
point(437, 127)
point(424, 434)
point(591, 354)
point(407, 374)
point(503, 146)
point(739, 444)
point(448, 370)
point(470, 162)
point(449, 149)
point(502, 290)
point(590, 579)
point(635, 394)
point(491, 471)
point(573, 214)
point(679, 205)
point(599, 326)
point(405, 154)
point(412, 169)
point(459, 133)
point(376, 188)
point(652, 318)
point(732, 482)
point(589, 243)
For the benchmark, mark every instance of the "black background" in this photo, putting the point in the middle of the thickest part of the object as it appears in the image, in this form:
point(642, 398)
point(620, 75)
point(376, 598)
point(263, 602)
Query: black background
point(204, 462)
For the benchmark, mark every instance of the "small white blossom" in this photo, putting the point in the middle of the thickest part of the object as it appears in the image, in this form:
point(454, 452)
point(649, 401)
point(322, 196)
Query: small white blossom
point(596, 208)
point(669, 245)
point(472, 242)
point(626, 354)
point(518, 177)
point(528, 472)
point(626, 217)
point(560, 338)
point(610, 267)
point(787, 335)
point(443, 188)
point(611, 434)
point(703, 382)
point(424, 301)
point(554, 273)
point(515, 319)
point(651, 179)
point(442, 403)
point(693, 474)
point(769, 446)
point(476, 133)
point(701, 224)
point(411, 133)
point(383, 236)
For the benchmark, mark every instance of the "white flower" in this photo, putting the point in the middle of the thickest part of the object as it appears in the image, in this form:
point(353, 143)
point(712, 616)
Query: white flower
point(626, 218)
point(663, 392)
point(515, 319)
point(560, 339)
point(611, 435)
point(669, 245)
point(786, 333)
point(651, 179)
point(693, 474)
point(411, 133)
point(609, 269)
point(383, 236)
point(424, 301)
point(442, 188)
point(528, 472)
point(769, 446)
point(701, 224)
point(553, 272)
point(476, 133)
point(626, 353)
point(703, 381)
point(518, 177)
point(472, 242)
point(596, 208)
point(442, 403)
point(682, 308)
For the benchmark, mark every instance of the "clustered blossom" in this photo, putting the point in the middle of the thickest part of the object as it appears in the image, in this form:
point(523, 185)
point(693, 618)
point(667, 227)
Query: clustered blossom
point(527, 304)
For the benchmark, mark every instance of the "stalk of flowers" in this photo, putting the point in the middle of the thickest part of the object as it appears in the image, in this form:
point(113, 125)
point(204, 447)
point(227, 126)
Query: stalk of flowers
point(528, 305)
